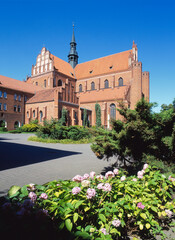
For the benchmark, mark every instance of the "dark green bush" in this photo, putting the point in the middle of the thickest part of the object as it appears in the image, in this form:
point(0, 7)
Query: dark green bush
point(31, 127)
point(3, 129)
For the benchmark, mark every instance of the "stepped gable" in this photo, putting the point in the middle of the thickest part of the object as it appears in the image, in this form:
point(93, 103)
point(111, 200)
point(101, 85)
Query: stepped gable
point(62, 66)
point(42, 96)
point(110, 94)
point(18, 85)
point(105, 65)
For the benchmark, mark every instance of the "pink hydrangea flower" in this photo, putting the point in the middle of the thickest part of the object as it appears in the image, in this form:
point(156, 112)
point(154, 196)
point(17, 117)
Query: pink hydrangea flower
point(168, 213)
point(123, 178)
point(115, 171)
point(92, 174)
point(140, 174)
point(116, 222)
point(31, 187)
point(86, 176)
point(85, 183)
point(171, 179)
point(100, 177)
point(109, 174)
point(43, 196)
point(90, 193)
point(145, 166)
point(107, 187)
point(32, 196)
point(77, 178)
point(103, 230)
point(100, 186)
point(76, 190)
point(134, 179)
point(140, 205)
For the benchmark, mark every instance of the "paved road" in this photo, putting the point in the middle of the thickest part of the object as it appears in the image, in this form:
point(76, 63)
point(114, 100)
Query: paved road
point(23, 162)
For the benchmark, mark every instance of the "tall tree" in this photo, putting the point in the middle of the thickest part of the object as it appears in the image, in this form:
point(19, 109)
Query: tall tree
point(98, 115)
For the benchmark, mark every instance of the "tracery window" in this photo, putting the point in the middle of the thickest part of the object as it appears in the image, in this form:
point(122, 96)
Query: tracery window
point(112, 111)
point(92, 86)
point(80, 88)
point(41, 116)
point(106, 83)
point(120, 81)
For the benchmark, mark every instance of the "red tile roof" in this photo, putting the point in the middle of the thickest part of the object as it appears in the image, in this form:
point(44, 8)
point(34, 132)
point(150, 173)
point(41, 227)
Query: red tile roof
point(63, 67)
point(103, 95)
point(42, 96)
point(104, 65)
point(17, 85)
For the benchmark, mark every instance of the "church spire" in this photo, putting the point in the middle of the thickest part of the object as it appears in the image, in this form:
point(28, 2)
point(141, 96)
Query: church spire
point(73, 55)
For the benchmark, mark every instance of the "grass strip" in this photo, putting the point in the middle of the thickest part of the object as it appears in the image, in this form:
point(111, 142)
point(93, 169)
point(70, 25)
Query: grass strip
point(63, 141)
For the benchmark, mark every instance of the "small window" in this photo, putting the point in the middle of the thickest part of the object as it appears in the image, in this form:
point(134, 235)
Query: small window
point(16, 125)
point(120, 82)
point(91, 71)
point(111, 67)
point(72, 74)
point(5, 107)
point(59, 82)
point(5, 95)
point(27, 114)
point(0, 94)
point(25, 99)
point(106, 83)
point(0, 106)
point(33, 113)
point(45, 83)
point(19, 108)
point(15, 97)
point(15, 108)
point(80, 88)
point(19, 98)
point(92, 86)
point(41, 116)
point(36, 83)
point(112, 111)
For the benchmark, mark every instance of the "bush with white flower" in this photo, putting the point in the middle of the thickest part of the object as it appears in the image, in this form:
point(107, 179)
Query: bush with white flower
point(100, 207)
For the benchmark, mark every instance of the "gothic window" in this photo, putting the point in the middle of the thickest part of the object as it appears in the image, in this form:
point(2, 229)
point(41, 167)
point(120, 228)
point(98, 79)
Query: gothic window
point(16, 125)
point(80, 88)
point(106, 83)
point(36, 83)
point(19, 108)
point(5, 107)
point(45, 83)
point(15, 97)
point(59, 82)
point(41, 116)
point(19, 98)
point(92, 86)
point(27, 114)
point(0, 106)
point(120, 81)
point(112, 111)
point(15, 108)
point(0, 94)
point(5, 95)
point(33, 113)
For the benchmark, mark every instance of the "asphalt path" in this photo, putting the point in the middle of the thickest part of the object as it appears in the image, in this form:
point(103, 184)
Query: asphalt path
point(23, 162)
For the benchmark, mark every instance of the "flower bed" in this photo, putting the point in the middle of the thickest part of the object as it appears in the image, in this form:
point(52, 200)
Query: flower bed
point(101, 207)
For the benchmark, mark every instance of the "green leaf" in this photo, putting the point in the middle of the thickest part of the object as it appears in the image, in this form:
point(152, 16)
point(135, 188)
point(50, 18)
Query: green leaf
point(24, 191)
point(154, 209)
point(78, 204)
point(61, 226)
point(75, 217)
point(143, 215)
point(68, 224)
point(84, 235)
point(102, 217)
point(141, 226)
point(148, 225)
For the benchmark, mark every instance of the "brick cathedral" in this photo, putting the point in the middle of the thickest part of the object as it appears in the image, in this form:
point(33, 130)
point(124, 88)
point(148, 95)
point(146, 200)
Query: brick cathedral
point(55, 84)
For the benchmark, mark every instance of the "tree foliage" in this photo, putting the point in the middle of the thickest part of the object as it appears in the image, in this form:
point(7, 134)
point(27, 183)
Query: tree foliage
point(141, 133)
point(64, 117)
point(98, 115)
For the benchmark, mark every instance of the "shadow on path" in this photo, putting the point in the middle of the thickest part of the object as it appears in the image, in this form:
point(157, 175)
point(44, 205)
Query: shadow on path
point(16, 155)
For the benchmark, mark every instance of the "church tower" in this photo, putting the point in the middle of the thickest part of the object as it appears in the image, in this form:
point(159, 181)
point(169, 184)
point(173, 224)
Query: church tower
point(73, 55)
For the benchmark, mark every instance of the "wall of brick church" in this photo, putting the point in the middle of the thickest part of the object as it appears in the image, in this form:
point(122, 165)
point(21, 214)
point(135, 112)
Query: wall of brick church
point(39, 80)
point(145, 85)
point(10, 116)
point(47, 108)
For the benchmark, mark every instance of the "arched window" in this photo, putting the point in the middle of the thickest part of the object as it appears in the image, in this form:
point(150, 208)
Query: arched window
point(15, 108)
point(0, 94)
point(16, 125)
point(33, 113)
point(120, 82)
point(45, 83)
point(112, 111)
point(27, 114)
point(19, 98)
point(15, 97)
point(5, 106)
point(59, 82)
point(41, 116)
point(5, 95)
point(106, 83)
point(80, 88)
point(92, 86)
point(19, 108)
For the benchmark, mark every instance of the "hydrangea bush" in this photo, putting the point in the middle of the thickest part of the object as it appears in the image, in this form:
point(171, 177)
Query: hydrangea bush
point(102, 207)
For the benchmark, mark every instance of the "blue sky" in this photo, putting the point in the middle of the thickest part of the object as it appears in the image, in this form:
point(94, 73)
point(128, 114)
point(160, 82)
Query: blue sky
point(101, 28)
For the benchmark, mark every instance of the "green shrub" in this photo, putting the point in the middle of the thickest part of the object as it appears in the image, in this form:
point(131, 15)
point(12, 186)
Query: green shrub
point(3, 129)
point(31, 127)
point(18, 130)
point(98, 207)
